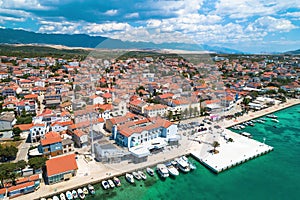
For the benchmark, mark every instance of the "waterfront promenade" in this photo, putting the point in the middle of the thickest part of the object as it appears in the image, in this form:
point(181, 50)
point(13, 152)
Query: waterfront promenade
point(240, 149)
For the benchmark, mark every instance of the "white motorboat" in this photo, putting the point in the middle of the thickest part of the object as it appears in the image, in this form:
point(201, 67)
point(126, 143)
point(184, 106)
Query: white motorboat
point(172, 170)
point(162, 170)
point(91, 189)
point(183, 165)
point(117, 181)
point(246, 134)
point(62, 196)
point(275, 120)
point(75, 195)
point(142, 175)
point(136, 175)
point(105, 185)
point(80, 193)
point(55, 198)
point(150, 171)
point(111, 183)
point(129, 178)
point(69, 195)
point(85, 191)
point(192, 166)
point(272, 116)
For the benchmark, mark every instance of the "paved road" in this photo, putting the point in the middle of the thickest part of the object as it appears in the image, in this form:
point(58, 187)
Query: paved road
point(23, 150)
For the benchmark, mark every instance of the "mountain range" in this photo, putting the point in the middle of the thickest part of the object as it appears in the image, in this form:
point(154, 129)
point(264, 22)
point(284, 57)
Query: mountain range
point(11, 36)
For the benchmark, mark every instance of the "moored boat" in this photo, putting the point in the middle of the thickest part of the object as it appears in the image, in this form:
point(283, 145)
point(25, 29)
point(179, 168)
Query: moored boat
point(55, 198)
point(80, 193)
point(105, 185)
point(162, 170)
point(136, 175)
point(85, 191)
point(142, 175)
point(129, 178)
point(69, 195)
point(91, 189)
point(117, 181)
point(275, 120)
point(246, 134)
point(150, 171)
point(272, 116)
point(111, 183)
point(172, 170)
point(62, 196)
point(183, 165)
point(75, 195)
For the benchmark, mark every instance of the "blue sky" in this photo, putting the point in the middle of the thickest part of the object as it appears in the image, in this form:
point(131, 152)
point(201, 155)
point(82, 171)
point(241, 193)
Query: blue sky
point(247, 25)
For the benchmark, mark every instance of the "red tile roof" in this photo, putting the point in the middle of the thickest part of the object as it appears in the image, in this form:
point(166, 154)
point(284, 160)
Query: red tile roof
point(61, 164)
point(51, 138)
point(24, 185)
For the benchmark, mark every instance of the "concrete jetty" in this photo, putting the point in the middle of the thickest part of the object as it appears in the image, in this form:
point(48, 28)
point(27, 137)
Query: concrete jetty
point(230, 154)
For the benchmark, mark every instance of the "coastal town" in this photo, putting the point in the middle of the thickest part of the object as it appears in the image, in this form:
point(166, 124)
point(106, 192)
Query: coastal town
point(69, 123)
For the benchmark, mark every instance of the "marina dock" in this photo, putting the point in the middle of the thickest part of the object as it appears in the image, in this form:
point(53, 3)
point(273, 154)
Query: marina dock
point(230, 154)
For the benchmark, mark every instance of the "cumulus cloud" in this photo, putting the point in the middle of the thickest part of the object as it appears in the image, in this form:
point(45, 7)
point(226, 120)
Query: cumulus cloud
point(271, 24)
point(132, 15)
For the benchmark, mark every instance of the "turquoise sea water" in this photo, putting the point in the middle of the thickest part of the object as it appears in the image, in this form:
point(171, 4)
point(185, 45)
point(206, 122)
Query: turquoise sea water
point(272, 176)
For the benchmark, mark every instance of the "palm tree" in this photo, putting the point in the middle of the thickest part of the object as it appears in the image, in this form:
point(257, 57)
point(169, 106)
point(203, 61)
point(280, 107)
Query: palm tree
point(215, 144)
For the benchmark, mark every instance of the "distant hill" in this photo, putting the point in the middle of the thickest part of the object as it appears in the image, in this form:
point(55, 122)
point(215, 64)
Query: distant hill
point(11, 36)
point(295, 52)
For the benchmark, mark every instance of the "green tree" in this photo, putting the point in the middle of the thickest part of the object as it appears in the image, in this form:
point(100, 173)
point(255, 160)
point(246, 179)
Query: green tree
point(16, 131)
point(37, 162)
point(170, 115)
point(215, 144)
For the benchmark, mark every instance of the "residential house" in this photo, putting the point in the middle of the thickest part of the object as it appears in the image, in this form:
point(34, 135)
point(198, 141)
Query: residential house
point(155, 110)
point(68, 145)
point(137, 106)
point(37, 132)
point(51, 145)
point(7, 121)
point(61, 168)
point(80, 138)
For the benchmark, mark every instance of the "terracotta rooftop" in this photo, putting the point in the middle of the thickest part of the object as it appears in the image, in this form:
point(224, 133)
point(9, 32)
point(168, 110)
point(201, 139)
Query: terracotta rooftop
point(51, 138)
point(61, 164)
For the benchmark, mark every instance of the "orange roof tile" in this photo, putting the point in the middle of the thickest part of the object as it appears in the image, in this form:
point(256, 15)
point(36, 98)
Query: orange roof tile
point(31, 96)
point(24, 185)
point(51, 138)
point(61, 164)
point(24, 127)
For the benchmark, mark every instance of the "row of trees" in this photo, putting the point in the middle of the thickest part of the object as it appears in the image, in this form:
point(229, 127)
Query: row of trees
point(11, 171)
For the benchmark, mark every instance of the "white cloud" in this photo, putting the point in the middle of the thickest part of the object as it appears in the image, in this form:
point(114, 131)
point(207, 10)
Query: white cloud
point(132, 15)
point(111, 12)
point(249, 8)
point(14, 19)
point(271, 24)
point(292, 14)
point(23, 4)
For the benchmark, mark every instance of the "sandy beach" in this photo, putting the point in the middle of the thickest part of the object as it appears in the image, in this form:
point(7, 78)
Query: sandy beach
point(93, 172)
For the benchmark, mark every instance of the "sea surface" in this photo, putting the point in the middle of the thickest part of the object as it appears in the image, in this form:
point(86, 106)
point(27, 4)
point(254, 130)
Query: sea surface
point(272, 176)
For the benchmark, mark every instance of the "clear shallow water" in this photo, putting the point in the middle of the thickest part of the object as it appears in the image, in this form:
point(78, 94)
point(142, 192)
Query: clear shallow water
point(272, 176)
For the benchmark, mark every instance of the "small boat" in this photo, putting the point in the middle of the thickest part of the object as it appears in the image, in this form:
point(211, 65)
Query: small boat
point(129, 178)
point(80, 193)
point(69, 195)
point(85, 191)
point(272, 116)
point(248, 135)
point(183, 165)
point(43, 199)
point(192, 166)
point(162, 170)
point(150, 171)
point(55, 198)
point(251, 124)
point(91, 189)
point(111, 183)
point(172, 170)
point(142, 175)
point(136, 175)
point(75, 195)
point(117, 181)
point(275, 120)
point(62, 196)
point(105, 184)
point(260, 121)
point(174, 163)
